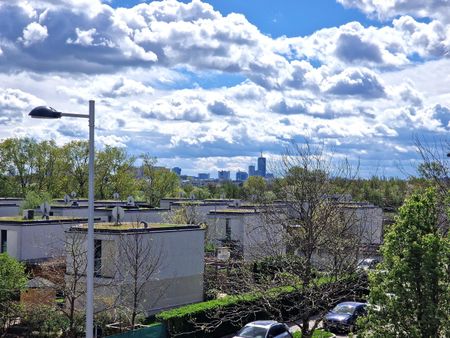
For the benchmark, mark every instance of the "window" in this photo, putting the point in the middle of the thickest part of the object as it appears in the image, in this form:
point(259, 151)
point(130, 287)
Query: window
point(277, 330)
point(3, 241)
point(227, 229)
point(97, 257)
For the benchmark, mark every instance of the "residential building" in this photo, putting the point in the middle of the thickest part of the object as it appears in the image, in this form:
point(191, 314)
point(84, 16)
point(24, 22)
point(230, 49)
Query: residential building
point(9, 209)
point(247, 232)
point(171, 261)
point(34, 240)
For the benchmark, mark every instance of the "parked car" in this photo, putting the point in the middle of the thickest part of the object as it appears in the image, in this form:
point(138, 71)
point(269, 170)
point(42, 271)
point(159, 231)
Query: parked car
point(264, 329)
point(343, 316)
point(367, 264)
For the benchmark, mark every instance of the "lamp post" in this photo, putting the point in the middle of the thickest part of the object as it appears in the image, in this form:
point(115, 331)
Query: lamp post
point(43, 112)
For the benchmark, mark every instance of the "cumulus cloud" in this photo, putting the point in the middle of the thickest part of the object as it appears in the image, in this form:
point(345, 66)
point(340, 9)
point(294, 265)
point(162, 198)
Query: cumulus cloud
point(383, 47)
point(355, 82)
point(34, 33)
point(351, 47)
point(177, 109)
point(388, 9)
point(146, 66)
point(220, 108)
point(14, 104)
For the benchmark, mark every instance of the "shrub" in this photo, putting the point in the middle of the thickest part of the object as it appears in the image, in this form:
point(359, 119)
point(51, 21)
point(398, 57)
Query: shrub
point(181, 321)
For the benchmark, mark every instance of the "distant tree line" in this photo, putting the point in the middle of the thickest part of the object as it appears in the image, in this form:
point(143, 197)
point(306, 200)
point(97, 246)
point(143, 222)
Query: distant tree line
point(27, 165)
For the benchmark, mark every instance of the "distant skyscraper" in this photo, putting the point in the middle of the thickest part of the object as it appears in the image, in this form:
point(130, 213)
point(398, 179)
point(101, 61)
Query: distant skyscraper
point(176, 170)
point(262, 166)
point(251, 170)
point(224, 175)
point(241, 176)
point(203, 176)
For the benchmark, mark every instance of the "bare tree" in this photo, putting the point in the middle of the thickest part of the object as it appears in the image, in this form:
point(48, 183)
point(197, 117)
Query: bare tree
point(137, 268)
point(69, 278)
point(322, 236)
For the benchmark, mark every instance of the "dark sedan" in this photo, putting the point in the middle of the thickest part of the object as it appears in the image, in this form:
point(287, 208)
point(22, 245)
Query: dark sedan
point(343, 317)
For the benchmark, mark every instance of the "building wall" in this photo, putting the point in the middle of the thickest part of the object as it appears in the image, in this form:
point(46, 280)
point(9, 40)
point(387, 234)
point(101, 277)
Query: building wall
point(178, 256)
point(35, 242)
point(257, 237)
point(8, 210)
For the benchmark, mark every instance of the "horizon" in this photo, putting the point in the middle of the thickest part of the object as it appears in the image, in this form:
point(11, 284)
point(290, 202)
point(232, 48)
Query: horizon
point(208, 85)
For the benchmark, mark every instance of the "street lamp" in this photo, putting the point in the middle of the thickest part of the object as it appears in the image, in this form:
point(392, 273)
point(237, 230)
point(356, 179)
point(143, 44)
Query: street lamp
point(43, 112)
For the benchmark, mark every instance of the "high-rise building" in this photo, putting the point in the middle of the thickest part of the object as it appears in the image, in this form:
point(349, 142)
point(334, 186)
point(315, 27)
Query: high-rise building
point(241, 176)
point(262, 166)
point(251, 170)
point(203, 176)
point(176, 170)
point(224, 175)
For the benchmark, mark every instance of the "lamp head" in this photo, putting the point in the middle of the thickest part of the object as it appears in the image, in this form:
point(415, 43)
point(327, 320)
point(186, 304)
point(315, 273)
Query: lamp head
point(44, 112)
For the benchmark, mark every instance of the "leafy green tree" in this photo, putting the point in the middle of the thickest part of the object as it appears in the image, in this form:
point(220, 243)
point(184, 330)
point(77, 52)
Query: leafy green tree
point(255, 188)
point(18, 162)
point(157, 182)
point(231, 190)
point(12, 279)
point(74, 163)
point(114, 173)
point(34, 199)
point(410, 291)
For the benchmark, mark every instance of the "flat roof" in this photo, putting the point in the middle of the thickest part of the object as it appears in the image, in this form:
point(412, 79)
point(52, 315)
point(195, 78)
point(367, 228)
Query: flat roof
point(19, 220)
point(235, 212)
point(135, 227)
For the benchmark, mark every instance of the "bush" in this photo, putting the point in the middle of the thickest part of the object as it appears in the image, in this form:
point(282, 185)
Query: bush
point(181, 321)
point(316, 334)
point(44, 320)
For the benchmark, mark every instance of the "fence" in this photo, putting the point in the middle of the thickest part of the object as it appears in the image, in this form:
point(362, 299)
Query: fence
point(153, 331)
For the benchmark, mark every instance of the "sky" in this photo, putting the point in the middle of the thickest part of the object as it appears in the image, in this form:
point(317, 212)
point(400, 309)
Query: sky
point(208, 85)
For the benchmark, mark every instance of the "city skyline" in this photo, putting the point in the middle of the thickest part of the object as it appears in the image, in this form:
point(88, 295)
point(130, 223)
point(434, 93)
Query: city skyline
point(208, 84)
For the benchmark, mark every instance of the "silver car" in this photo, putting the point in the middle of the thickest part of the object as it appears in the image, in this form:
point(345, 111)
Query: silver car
point(264, 329)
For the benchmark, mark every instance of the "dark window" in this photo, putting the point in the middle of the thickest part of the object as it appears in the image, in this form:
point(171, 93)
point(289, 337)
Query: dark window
point(97, 257)
point(3, 243)
point(227, 229)
point(277, 330)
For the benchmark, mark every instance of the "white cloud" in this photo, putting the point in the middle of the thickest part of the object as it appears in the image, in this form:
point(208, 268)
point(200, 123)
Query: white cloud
point(34, 33)
point(355, 82)
point(364, 90)
point(14, 104)
point(387, 9)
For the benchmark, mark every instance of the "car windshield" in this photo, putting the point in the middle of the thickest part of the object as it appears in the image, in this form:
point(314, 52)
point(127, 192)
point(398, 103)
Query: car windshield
point(344, 309)
point(364, 263)
point(252, 332)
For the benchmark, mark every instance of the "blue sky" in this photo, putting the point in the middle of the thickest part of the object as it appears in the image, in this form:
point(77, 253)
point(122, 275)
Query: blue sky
point(207, 85)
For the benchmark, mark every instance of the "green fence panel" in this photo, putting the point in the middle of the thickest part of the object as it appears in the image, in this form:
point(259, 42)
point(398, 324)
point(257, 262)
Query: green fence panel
point(154, 331)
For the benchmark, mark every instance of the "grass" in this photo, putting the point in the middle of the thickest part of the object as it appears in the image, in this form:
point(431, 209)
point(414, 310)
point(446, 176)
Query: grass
point(316, 334)
point(131, 225)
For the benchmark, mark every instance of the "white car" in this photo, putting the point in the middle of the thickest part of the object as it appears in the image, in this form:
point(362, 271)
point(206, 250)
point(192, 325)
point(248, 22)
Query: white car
point(264, 329)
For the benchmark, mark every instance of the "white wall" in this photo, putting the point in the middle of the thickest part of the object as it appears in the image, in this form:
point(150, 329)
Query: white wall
point(35, 242)
point(177, 254)
point(8, 210)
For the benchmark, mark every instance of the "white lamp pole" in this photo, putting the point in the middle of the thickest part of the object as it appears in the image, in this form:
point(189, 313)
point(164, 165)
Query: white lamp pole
point(50, 113)
point(90, 249)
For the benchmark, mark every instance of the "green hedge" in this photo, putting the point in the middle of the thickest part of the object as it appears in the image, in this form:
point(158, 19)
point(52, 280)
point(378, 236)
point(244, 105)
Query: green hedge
point(179, 321)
